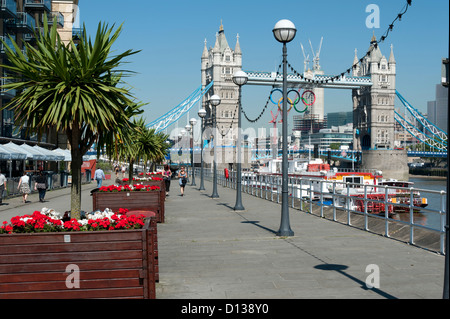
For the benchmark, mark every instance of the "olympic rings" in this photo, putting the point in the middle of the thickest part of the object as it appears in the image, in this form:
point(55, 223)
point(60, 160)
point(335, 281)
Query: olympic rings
point(298, 97)
point(272, 93)
point(303, 111)
point(290, 103)
point(308, 98)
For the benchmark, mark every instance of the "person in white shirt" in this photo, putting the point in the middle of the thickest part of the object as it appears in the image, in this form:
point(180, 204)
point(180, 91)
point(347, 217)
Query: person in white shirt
point(2, 185)
point(24, 186)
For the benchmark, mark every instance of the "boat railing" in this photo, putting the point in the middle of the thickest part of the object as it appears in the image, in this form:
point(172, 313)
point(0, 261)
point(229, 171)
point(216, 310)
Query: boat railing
point(373, 208)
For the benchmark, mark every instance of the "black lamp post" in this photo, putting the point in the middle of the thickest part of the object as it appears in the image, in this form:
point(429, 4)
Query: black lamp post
point(215, 101)
point(202, 115)
point(240, 78)
point(284, 31)
point(192, 121)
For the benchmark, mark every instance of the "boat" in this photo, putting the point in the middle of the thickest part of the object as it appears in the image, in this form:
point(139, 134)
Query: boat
point(401, 194)
point(322, 181)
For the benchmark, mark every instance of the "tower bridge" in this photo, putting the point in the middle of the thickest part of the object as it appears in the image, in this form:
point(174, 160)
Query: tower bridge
point(372, 81)
point(320, 81)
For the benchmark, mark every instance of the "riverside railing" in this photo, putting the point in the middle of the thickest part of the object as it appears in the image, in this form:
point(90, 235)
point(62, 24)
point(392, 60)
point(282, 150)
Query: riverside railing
point(415, 216)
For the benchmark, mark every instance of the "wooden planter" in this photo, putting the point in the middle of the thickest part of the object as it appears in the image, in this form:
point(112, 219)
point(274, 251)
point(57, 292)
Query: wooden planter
point(137, 200)
point(160, 184)
point(112, 264)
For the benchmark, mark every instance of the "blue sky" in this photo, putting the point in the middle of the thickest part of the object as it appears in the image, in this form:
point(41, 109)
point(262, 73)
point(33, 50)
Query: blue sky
point(171, 36)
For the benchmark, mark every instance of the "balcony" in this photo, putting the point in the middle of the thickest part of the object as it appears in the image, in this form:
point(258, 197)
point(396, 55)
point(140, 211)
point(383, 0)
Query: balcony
point(8, 9)
point(8, 42)
point(77, 33)
point(24, 22)
point(38, 5)
point(59, 18)
point(6, 94)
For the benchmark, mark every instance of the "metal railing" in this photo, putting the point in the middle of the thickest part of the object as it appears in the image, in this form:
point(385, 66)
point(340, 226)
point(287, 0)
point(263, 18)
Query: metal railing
point(391, 211)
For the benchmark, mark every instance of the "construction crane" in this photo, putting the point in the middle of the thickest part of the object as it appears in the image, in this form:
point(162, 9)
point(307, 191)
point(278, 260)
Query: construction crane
point(316, 55)
point(306, 59)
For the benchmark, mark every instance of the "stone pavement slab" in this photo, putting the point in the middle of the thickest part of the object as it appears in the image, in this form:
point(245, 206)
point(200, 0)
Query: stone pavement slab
point(207, 250)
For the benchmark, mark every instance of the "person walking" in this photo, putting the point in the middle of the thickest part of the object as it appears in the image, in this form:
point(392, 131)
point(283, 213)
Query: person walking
point(41, 186)
point(24, 186)
point(2, 186)
point(167, 173)
point(182, 175)
point(99, 176)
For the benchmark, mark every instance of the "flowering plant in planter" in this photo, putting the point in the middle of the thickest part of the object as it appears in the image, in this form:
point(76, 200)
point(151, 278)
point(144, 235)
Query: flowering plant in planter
point(129, 188)
point(140, 179)
point(47, 220)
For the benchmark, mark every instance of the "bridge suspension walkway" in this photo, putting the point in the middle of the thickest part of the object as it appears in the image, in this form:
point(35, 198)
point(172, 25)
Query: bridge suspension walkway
point(207, 250)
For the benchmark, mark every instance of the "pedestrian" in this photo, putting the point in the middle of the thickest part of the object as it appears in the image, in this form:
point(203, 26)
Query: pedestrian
point(182, 175)
point(123, 171)
point(116, 169)
point(41, 186)
point(167, 173)
point(24, 186)
point(2, 186)
point(99, 176)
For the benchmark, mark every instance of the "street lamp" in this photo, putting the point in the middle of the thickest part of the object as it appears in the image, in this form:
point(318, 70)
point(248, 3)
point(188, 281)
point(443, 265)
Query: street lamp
point(284, 32)
point(215, 101)
point(193, 121)
point(240, 78)
point(202, 115)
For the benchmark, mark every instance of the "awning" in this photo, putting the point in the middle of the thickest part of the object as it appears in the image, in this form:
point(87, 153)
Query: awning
point(36, 153)
point(52, 156)
point(30, 155)
point(7, 153)
point(66, 153)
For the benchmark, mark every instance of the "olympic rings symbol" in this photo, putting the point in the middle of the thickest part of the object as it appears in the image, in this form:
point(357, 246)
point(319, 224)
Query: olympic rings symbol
point(308, 98)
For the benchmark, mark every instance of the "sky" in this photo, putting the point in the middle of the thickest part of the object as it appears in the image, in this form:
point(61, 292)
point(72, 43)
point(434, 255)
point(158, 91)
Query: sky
point(171, 35)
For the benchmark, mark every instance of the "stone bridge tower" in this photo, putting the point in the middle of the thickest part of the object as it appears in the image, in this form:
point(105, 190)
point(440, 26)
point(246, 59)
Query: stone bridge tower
point(373, 107)
point(374, 116)
point(219, 63)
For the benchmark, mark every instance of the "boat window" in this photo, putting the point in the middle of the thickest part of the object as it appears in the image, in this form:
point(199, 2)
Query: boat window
point(353, 180)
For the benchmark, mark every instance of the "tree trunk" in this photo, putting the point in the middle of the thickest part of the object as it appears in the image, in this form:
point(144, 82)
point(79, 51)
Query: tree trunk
point(130, 171)
point(77, 161)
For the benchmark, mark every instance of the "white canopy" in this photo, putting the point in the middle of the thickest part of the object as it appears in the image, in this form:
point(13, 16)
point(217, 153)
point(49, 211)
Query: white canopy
point(52, 156)
point(7, 153)
point(35, 153)
point(66, 153)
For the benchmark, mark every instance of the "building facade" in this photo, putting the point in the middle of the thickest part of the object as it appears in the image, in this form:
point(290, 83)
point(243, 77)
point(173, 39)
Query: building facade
point(438, 109)
point(373, 107)
point(19, 19)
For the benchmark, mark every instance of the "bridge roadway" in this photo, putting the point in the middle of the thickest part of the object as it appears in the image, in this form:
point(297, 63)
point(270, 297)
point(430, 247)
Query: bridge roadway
point(207, 250)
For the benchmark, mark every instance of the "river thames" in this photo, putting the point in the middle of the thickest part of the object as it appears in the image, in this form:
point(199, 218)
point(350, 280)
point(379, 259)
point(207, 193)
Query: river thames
point(435, 201)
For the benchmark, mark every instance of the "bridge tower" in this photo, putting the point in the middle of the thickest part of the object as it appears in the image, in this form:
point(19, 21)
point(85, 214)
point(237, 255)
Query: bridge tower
point(373, 107)
point(374, 116)
point(219, 63)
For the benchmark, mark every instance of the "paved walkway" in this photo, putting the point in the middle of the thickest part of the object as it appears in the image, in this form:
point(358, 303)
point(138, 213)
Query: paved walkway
point(207, 250)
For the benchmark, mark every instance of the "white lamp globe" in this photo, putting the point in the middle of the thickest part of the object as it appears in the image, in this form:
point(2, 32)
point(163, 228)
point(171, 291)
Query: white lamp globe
point(284, 31)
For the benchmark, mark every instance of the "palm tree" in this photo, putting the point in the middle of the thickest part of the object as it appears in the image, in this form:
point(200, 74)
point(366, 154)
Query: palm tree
point(139, 143)
point(75, 88)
